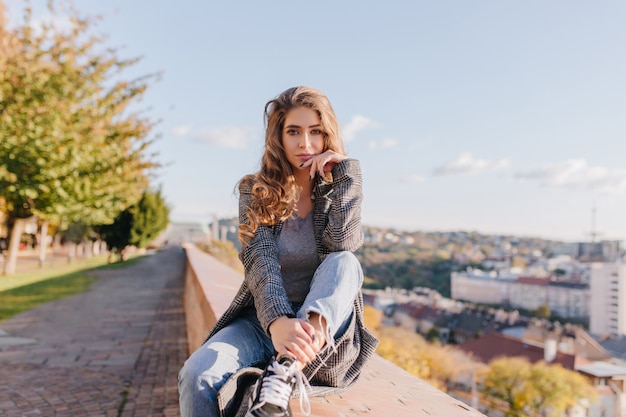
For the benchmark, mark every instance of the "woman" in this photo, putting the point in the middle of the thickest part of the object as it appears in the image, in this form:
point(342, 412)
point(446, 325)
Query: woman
point(299, 311)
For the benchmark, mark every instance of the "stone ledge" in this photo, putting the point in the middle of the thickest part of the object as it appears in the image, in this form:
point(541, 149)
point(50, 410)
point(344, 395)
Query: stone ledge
point(384, 389)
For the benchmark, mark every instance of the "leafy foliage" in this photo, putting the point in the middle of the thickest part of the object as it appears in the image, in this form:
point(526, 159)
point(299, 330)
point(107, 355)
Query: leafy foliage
point(400, 266)
point(534, 389)
point(139, 224)
point(505, 381)
point(150, 217)
point(433, 363)
point(117, 234)
point(71, 149)
point(543, 311)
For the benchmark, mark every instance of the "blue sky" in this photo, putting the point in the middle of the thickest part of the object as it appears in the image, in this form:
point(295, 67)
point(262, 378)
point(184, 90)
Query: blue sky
point(495, 116)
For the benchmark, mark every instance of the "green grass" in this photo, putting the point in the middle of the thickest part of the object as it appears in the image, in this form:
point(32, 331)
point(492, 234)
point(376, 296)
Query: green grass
point(49, 271)
point(24, 298)
point(53, 286)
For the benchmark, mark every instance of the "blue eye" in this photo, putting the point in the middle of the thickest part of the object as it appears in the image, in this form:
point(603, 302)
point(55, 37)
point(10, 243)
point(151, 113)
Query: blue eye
point(292, 132)
point(316, 132)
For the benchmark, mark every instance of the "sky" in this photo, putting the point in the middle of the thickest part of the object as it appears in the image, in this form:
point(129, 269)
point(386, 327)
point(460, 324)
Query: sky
point(501, 117)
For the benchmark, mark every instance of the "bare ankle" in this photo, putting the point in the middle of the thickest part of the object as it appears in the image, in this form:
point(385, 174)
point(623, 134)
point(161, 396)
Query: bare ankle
point(319, 324)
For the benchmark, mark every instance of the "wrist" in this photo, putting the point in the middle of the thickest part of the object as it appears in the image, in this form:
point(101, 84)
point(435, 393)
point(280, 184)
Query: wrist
point(279, 320)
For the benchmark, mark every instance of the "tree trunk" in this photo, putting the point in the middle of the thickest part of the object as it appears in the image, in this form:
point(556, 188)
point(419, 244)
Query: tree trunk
point(43, 243)
point(88, 248)
point(15, 234)
point(71, 252)
point(56, 243)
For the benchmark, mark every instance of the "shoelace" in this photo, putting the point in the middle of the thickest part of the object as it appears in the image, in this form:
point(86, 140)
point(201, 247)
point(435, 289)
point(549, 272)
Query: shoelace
point(276, 388)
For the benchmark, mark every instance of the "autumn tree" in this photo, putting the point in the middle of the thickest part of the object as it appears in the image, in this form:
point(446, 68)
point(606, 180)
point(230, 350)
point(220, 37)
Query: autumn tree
point(529, 390)
point(505, 381)
point(372, 317)
point(554, 389)
point(543, 311)
point(433, 363)
point(71, 149)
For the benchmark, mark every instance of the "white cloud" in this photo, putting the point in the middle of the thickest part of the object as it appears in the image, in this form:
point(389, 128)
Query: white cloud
point(578, 174)
point(467, 164)
point(182, 131)
point(228, 137)
point(223, 137)
point(383, 144)
point(413, 179)
point(356, 124)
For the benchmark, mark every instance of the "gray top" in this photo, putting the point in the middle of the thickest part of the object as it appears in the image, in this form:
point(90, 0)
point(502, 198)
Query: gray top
point(297, 255)
point(337, 227)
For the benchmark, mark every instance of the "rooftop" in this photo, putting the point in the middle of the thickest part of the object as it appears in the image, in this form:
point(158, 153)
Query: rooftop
point(603, 370)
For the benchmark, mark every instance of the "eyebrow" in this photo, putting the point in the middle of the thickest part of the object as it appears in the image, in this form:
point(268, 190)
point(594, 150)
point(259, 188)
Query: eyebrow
point(300, 127)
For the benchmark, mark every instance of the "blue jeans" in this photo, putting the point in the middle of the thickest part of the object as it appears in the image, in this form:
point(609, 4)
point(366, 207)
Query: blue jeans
point(243, 342)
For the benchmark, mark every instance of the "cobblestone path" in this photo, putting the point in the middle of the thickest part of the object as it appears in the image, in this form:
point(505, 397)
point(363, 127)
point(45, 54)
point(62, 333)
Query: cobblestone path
point(114, 350)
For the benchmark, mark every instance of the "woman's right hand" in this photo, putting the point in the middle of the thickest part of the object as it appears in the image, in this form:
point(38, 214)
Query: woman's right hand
point(323, 163)
point(294, 337)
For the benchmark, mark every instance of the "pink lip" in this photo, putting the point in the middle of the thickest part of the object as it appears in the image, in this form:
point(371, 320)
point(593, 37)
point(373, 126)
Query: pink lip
point(304, 156)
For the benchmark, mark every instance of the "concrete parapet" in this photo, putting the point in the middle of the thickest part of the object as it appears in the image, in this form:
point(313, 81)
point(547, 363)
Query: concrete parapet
point(383, 390)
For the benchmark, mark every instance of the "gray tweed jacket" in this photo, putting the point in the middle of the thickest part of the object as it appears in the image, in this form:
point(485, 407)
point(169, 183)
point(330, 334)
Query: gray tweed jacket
point(337, 226)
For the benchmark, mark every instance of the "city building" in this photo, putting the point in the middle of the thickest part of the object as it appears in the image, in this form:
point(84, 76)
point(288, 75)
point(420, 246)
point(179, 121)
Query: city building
point(193, 232)
point(608, 299)
point(601, 251)
point(564, 298)
point(609, 381)
point(479, 287)
point(569, 299)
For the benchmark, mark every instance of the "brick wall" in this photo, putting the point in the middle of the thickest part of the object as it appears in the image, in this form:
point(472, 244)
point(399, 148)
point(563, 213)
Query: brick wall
point(383, 390)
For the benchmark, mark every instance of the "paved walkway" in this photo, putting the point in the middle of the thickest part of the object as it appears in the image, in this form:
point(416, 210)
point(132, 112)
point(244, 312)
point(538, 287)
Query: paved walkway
point(114, 350)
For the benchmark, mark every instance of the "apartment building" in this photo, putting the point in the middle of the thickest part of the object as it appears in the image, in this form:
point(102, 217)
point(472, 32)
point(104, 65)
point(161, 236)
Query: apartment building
point(568, 300)
point(608, 298)
point(479, 287)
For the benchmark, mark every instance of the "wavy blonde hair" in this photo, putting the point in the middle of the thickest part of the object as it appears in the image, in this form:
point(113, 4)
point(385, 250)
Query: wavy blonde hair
point(274, 190)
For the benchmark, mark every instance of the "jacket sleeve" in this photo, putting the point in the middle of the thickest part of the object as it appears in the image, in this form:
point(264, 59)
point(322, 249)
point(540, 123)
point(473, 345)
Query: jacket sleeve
point(262, 270)
point(342, 199)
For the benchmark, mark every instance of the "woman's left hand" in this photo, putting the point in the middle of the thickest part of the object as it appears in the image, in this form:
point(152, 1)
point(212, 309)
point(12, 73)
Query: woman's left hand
point(323, 163)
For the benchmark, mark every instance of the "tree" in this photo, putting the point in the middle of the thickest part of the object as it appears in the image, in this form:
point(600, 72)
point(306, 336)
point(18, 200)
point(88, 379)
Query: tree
point(372, 317)
point(505, 380)
point(554, 389)
point(543, 311)
point(150, 218)
point(75, 234)
point(433, 334)
point(433, 363)
point(535, 389)
point(70, 148)
point(117, 234)
point(138, 225)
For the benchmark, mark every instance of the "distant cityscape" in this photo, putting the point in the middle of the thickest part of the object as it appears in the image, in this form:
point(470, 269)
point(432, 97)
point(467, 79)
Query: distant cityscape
point(495, 302)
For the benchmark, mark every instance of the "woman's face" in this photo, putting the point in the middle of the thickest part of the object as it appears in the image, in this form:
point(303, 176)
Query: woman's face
point(302, 136)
